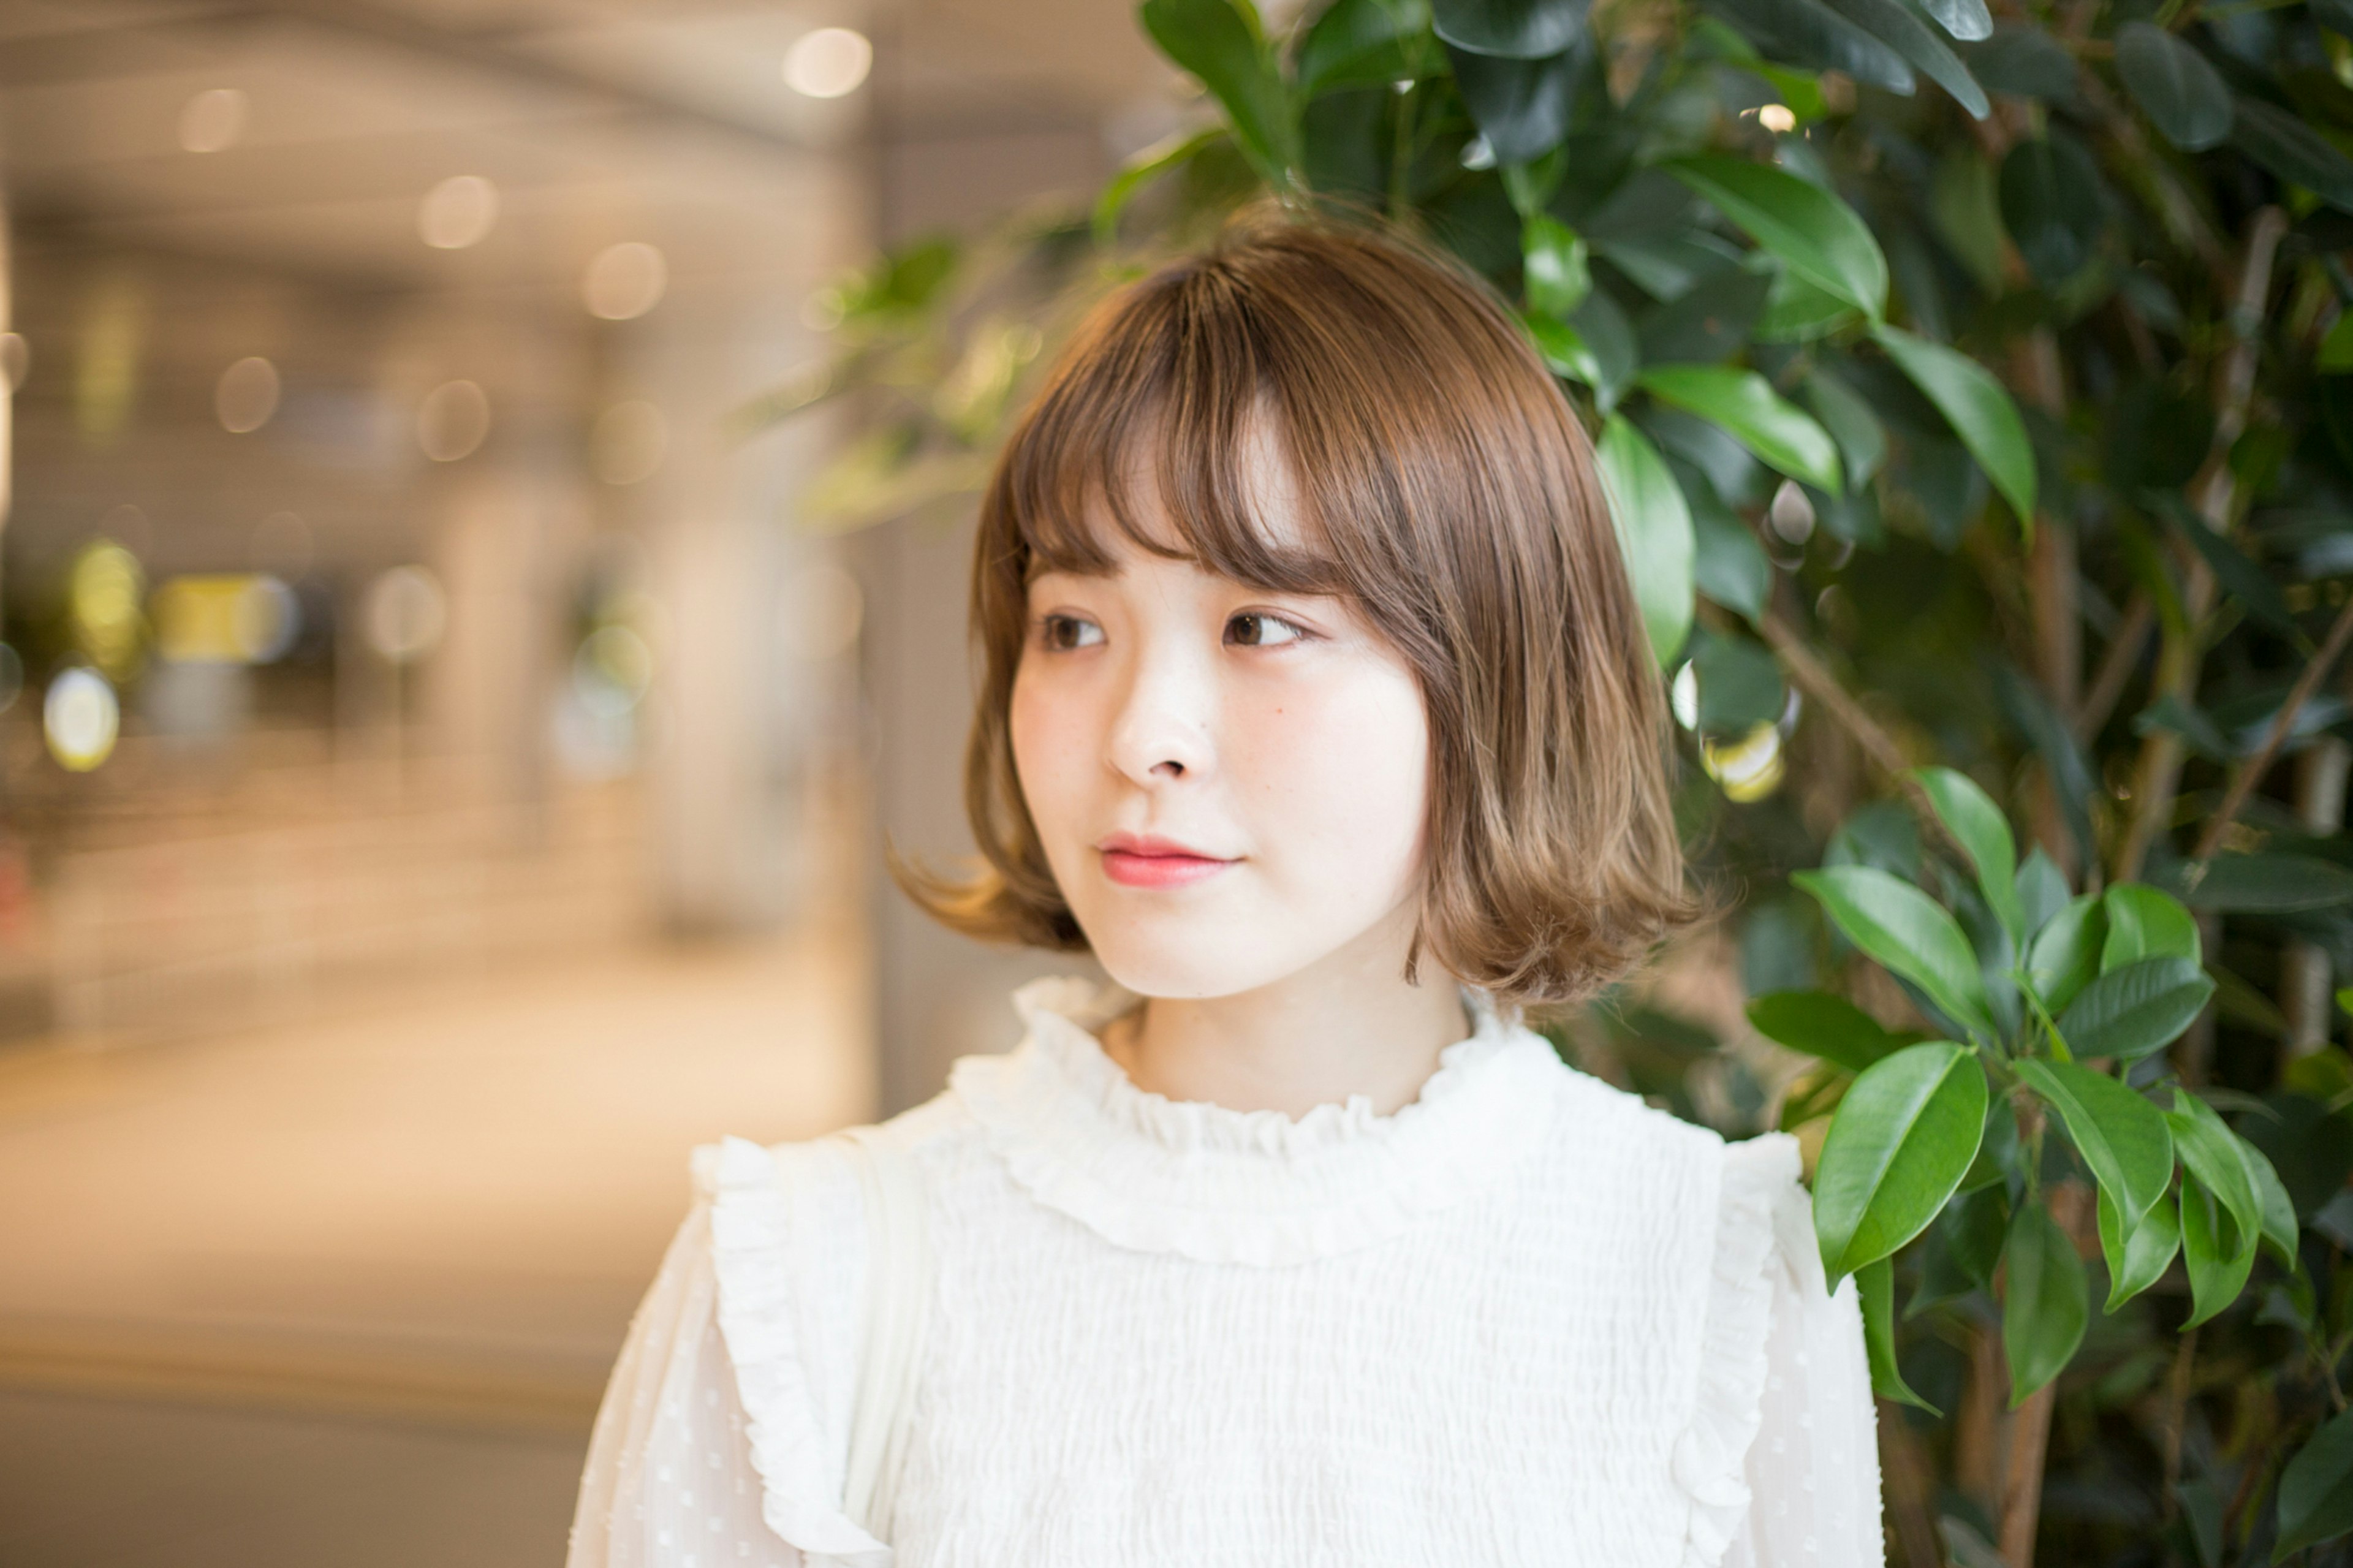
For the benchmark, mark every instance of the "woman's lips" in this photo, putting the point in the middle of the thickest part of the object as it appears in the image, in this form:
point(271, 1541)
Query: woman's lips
point(1134, 863)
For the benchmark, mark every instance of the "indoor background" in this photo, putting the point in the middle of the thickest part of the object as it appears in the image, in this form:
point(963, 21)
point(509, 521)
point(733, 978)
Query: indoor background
point(440, 780)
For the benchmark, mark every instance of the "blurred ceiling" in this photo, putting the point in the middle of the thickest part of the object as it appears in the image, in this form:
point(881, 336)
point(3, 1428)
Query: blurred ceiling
point(597, 119)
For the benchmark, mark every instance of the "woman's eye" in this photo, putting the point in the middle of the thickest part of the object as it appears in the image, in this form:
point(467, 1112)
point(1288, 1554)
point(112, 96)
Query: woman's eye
point(1063, 633)
point(1254, 630)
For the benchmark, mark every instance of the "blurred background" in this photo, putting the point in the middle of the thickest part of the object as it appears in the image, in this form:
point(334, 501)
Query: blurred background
point(441, 781)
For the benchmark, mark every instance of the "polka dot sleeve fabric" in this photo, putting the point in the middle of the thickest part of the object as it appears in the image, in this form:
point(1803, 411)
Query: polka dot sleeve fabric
point(669, 1481)
point(1813, 1470)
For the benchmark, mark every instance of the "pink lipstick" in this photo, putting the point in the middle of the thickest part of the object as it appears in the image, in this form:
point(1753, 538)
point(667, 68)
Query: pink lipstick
point(1139, 860)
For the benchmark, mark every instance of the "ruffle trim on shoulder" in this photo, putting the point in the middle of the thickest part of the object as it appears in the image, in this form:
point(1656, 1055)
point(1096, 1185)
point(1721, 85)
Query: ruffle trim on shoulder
point(1221, 1185)
point(751, 1236)
point(1710, 1460)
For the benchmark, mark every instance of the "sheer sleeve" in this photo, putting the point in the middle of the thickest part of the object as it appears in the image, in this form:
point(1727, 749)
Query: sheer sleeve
point(1813, 1468)
point(669, 1481)
point(723, 1433)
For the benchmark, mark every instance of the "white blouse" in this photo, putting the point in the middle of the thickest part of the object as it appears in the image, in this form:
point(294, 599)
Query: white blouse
point(1525, 1320)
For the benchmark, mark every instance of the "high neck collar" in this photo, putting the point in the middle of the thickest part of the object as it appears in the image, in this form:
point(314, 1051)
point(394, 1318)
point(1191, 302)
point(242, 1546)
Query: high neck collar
point(1157, 1175)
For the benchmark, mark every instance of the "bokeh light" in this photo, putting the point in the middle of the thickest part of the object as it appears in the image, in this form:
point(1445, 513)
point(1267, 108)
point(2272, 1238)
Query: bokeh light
point(625, 280)
point(80, 719)
point(627, 443)
point(1683, 695)
point(246, 396)
point(458, 212)
point(453, 420)
point(15, 360)
point(213, 120)
point(612, 668)
point(404, 614)
point(1749, 768)
point(831, 62)
point(224, 618)
point(103, 591)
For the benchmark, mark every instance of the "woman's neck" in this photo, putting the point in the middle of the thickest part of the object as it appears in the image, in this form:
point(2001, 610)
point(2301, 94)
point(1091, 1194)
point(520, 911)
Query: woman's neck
point(1346, 1026)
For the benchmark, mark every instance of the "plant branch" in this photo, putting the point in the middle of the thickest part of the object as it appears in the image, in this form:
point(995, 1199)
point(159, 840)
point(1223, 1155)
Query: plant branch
point(2115, 666)
point(1813, 677)
point(2158, 769)
point(2030, 1425)
point(2250, 771)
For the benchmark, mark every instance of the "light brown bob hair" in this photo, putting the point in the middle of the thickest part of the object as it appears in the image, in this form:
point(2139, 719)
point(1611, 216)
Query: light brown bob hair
point(1451, 494)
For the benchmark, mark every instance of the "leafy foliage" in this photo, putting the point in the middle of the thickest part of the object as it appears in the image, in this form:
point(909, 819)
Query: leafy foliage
point(1924, 349)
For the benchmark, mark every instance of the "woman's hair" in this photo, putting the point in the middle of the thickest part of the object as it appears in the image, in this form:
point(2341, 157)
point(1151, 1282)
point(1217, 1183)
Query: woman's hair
point(1449, 490)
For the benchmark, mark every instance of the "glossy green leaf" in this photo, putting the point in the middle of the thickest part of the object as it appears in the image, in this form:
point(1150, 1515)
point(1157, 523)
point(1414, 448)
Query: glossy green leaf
point(2041, 890)
point(1862, 439)
point(1217, 42)
point(1654, 532)
point(1972, 817)
point(1824, 1025)
point(1521, 106)
point(1974, 1228)
point(1813, 233)
point(2131, 1012)
point(1708, 322)
point(2137, 1256)
point(2185, 98)
point(1162, 158)
point(1798, 310)
point(1901, 29)
point(2275, 1208)
point(1732, 568)
point(2053, 206)
point(1875, 1284)
point(2146, 922)
point(2316, 1490)
point(2217, 1255)
point(2271, 883)
point(1744, 403)
point(1517, 29)
point(1358, 43)
point(2211, 1151)
point(2022, 60)
point(2122, 1137)
point(1904, 931)
point(1968, 20)
point(1564, 349)
point(2240, 574)
point(2294, 150)
point(2046, 1300)
point(1607, 335)
point(1895, 1151)
point(1977, 407)
point(1809, 34)
point(2065, 955)
point(1554, 267)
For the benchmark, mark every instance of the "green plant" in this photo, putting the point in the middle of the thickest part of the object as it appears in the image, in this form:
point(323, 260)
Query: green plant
point(1923, 350)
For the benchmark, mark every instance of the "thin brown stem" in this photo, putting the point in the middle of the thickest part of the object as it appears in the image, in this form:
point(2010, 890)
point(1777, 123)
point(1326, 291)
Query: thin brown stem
point(2030, 1424)
point(2251, 773)
point(2115, 666)
point(2157, 772)
point(1812, 678)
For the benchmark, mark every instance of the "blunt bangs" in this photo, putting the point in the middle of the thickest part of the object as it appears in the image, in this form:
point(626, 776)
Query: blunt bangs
point(1171, 403)
point(1439, 478)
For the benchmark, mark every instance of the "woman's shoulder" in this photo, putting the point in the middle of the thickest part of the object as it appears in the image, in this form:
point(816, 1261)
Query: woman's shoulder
point(1601, 1118)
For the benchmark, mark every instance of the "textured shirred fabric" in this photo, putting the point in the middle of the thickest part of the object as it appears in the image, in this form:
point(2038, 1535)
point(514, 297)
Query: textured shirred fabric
point(1525, 1320)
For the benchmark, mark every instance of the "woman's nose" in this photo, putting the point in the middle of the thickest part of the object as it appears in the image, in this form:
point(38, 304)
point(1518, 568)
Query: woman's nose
point(1161, 732)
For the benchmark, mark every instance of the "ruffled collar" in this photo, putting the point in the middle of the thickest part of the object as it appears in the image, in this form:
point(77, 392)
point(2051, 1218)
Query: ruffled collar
point(1155, 1174)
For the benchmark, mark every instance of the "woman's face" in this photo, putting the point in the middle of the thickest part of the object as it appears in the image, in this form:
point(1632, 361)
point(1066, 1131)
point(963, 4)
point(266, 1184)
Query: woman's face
point(1229, 784)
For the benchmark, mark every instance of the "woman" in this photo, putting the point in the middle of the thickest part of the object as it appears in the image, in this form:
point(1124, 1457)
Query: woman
point(1317, 708)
